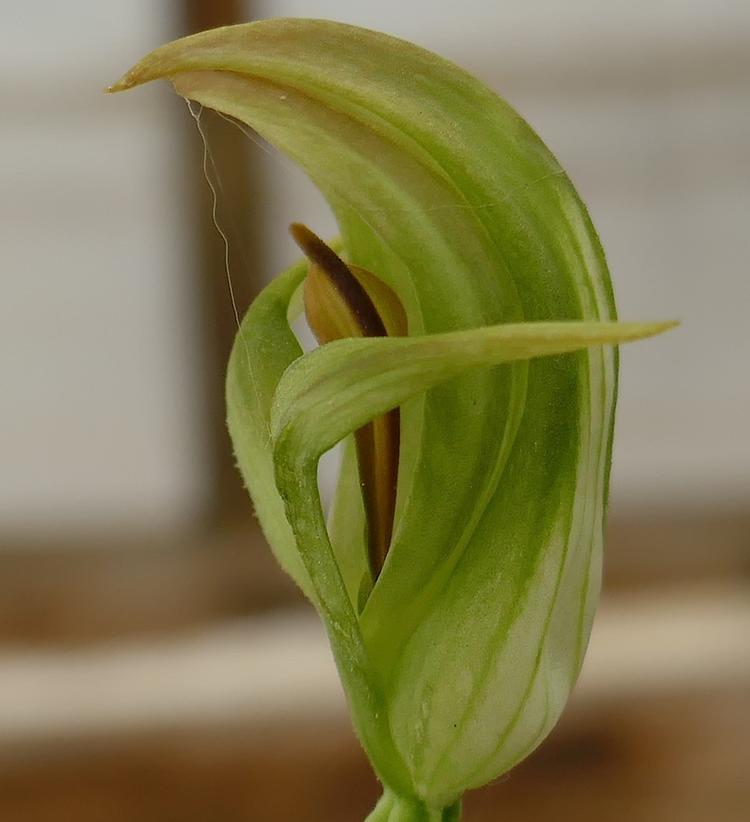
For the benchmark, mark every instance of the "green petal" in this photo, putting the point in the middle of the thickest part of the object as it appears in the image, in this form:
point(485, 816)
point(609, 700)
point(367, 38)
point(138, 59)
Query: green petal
point(473, 635)
point(335, 390)
point(341, 386)
point(264, 348)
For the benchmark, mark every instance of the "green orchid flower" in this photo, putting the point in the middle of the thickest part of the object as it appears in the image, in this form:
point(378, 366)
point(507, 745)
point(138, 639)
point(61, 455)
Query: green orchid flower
point(467, 325)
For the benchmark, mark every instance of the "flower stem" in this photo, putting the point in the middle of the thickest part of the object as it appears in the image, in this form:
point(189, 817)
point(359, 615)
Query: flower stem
point(393, 808)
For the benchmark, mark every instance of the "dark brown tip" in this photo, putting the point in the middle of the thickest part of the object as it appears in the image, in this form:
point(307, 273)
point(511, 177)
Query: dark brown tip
point(348, 286)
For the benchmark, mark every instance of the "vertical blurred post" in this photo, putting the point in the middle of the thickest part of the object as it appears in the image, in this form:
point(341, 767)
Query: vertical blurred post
point(236, 215)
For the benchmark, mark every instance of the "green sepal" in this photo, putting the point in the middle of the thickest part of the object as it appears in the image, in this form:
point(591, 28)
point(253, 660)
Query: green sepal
point(459, 660)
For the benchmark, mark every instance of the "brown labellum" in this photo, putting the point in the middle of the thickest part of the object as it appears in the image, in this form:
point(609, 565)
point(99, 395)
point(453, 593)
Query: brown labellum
point(348, 301)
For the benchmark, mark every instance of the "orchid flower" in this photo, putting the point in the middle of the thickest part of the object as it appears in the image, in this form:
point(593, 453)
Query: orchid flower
point(467, 327)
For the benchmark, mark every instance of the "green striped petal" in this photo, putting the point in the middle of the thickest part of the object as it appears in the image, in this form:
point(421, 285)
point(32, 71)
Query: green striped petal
point(459, 660)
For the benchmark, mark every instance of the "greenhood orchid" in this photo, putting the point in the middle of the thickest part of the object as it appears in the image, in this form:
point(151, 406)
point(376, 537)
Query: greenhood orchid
point(467, 328)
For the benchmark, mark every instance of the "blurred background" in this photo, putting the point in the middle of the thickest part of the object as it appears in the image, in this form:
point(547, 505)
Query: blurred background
point(154, 662)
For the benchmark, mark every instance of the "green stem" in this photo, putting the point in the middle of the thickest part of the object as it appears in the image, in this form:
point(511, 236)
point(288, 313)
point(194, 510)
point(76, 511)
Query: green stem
point(393, 808)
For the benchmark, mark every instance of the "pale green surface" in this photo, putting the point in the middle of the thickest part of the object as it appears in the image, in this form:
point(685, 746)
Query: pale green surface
point(473, 636)
point(393, 808)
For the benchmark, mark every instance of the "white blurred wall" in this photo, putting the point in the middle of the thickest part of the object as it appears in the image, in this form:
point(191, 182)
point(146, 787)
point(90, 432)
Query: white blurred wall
point(98, 420)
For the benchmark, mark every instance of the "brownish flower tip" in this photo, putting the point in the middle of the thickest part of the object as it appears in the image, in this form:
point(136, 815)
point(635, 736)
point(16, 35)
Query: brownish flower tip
point(347, 301)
